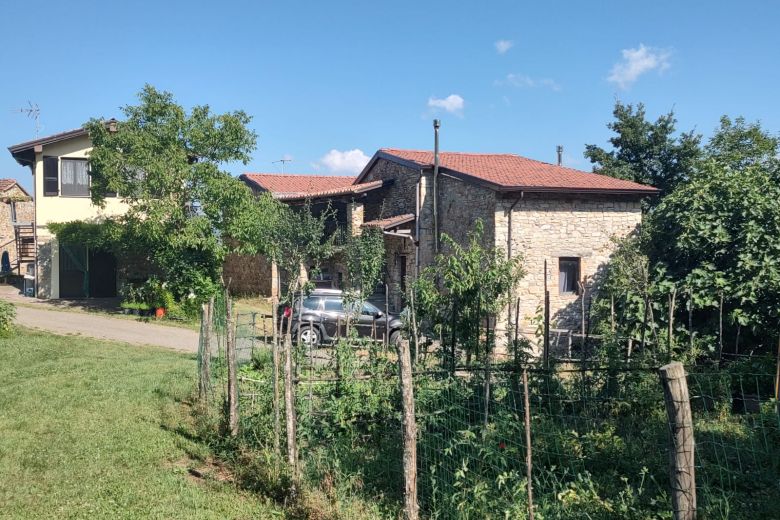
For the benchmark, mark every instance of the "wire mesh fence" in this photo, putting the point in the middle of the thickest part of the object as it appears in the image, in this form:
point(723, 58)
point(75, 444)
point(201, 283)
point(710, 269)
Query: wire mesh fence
point(599, 432)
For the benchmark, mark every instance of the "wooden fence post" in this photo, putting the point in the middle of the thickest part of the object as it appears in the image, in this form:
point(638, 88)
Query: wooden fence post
point(528, 450)
point(411, 509)
point(275, 383)
point(681, 456)
point(204, 381)
point(230, 353)
point(289, 406)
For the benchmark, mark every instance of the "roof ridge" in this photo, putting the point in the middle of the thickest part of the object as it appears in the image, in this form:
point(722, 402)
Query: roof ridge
point(453, 153)
point(299, 175)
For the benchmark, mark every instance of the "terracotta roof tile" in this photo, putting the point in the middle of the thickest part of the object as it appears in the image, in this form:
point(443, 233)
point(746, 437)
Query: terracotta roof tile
point(7, 184)
point(282, 185)
point(507, 172)
point(294, 186)
point(390, 222)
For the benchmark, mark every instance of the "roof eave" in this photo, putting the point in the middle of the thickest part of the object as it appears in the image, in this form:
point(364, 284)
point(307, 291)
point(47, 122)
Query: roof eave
point(578, 191)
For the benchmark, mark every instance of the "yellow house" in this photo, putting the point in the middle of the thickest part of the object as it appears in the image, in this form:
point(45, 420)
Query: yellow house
point(60, 169)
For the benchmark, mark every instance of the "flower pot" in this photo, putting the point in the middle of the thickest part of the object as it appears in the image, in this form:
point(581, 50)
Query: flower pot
point(159, 312)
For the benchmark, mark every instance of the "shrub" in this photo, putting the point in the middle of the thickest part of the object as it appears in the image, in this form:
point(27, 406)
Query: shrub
point(7, 314)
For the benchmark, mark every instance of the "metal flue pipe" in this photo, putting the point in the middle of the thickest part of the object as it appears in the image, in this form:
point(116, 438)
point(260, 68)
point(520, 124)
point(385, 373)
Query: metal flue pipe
point(436, 125)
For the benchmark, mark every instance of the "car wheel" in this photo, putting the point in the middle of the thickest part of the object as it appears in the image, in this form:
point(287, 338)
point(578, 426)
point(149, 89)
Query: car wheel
point(395, 337)
point(310, 336)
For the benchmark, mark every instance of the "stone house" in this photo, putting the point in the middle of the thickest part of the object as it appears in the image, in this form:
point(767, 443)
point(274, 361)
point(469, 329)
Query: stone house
point(547, 213)
point(17, 241)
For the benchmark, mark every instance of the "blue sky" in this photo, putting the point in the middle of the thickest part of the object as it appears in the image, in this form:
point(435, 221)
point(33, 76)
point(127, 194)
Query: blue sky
point(328, 83)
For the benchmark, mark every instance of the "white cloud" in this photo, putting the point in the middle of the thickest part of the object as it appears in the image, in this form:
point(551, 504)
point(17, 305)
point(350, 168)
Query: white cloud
point(452, 103)
point(346, 162)
point(636, 62)
point(502, 46)
point(523, 81)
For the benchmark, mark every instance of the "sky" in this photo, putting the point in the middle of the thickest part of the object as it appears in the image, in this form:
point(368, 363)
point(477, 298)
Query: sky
point(329, 83)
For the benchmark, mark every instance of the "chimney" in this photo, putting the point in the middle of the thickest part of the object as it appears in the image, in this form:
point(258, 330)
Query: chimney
point(559, 149)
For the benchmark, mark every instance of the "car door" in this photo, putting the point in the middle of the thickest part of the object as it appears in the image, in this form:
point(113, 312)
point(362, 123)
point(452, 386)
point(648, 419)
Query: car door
point(333, 316)
point(367, 323)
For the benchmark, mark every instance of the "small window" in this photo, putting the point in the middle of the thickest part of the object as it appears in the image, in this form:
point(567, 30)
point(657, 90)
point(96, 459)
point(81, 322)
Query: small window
point(568, 275)
point(51, 176)
point(334, 305)
point(13, 211)
point(74, 178)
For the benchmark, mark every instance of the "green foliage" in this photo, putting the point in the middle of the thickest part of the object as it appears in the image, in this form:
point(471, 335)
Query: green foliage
point(7, 315)
point(165, 163)
point(646, 152)
point(476, 282)
point(103, 235)
point(365, 255)
point(297, 236)
point(714, 236)
point(720, 233)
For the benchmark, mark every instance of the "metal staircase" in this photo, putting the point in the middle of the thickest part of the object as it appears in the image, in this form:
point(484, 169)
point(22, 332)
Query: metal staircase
point(24, 234)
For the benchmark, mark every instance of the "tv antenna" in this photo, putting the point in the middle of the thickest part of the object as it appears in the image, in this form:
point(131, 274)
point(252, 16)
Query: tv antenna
point(283, 161)
point(33, 112)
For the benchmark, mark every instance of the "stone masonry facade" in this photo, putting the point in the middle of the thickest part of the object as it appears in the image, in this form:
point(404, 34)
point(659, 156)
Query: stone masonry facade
point(550, 227)
point(24, 210)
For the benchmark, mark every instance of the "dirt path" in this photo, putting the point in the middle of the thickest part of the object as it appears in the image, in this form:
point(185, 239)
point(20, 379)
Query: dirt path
point(104, 327)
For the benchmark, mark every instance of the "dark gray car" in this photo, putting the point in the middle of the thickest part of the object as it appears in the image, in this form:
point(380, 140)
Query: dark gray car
point(324, 310)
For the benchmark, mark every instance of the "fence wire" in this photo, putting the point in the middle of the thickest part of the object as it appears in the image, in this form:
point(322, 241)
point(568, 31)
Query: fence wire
point(599, 434)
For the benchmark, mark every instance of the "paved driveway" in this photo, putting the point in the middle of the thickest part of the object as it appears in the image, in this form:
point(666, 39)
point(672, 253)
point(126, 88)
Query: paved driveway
point(37, 314)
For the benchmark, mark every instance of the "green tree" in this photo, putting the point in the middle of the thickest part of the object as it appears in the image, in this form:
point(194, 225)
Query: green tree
point(738, 144)
point(646, 152)
point(166, 164)
point(719, 233)
point(463, 287)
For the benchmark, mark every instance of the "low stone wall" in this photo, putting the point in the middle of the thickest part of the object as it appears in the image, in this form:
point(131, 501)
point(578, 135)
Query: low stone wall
point(248, 275)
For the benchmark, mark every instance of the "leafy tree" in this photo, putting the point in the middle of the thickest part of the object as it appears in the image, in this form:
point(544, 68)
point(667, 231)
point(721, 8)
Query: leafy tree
point(365, 255)
point(463, 287)
point(646, 152)
point(738, 144)
point(719, 234)
point(165, 163)
point(296, 237)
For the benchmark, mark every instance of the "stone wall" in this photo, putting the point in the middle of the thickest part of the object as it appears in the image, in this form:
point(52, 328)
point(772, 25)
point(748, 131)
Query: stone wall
point(397, 199)
point(24, 214)
point(249, 275)
point(548, 227)
point(461, 204)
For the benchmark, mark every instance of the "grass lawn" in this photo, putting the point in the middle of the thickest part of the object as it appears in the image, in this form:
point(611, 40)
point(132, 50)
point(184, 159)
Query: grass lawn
point(91, 429)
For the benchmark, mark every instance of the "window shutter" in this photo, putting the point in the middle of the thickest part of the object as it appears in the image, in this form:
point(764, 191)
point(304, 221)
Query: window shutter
point(51, 181)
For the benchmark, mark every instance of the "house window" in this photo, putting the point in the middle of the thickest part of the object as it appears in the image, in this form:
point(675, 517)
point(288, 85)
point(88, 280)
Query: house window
point(51, 176)
point(13, 211)
point(568, 274)
point(74, 178)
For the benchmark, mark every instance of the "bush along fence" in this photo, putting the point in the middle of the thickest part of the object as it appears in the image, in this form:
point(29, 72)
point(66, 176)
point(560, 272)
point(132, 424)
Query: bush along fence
point(365, 429)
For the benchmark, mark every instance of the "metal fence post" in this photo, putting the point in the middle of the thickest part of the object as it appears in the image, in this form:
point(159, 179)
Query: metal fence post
point(528, 449)
point(681, 456)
